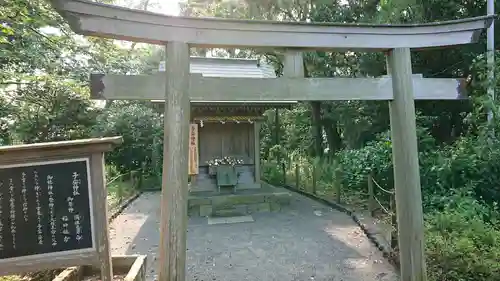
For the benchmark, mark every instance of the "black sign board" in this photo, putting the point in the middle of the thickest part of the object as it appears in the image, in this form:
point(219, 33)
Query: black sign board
point(45, 207)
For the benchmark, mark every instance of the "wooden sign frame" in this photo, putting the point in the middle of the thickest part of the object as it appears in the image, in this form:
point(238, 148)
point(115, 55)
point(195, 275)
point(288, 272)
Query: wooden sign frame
point(92, 152)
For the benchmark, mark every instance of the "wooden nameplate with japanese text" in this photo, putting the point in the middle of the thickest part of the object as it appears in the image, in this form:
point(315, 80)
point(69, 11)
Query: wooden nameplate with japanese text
point(53, 210)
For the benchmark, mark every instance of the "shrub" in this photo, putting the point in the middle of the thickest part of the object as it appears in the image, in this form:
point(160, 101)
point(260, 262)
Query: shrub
point(142, 132)
point(460, 245)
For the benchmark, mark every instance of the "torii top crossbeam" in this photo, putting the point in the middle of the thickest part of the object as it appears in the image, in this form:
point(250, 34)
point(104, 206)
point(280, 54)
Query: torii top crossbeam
point(89, 18)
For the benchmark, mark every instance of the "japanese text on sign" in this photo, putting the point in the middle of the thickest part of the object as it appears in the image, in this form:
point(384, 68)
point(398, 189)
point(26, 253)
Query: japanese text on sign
point(50, 202)
point(193, 149)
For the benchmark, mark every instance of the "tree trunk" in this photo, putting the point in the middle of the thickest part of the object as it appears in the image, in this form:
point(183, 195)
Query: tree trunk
point(317, 129)
point(276, 126)
point(332, 136)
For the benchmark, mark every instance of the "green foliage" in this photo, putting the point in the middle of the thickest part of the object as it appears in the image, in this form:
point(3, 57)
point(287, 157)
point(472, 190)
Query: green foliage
point(5, 111)
point(51, 110)
point(142, 132)
point(473, 162)
point(376, 156)
point(357, 163)
point(272, 172)
point(460, 244)
point(44, 69)
point(120, 186)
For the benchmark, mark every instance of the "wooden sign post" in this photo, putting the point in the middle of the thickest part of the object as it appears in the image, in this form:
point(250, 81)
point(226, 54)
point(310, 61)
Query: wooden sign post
point(53, 209)
point(193, 149)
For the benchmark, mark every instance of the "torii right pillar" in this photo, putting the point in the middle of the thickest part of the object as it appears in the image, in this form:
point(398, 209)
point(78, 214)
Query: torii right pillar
point(406, 168)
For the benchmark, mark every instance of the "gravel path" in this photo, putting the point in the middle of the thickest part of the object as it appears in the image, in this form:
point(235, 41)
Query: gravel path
point(306, 241)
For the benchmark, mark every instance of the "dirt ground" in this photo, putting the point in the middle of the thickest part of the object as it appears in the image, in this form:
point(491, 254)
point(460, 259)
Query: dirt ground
point(305, 241)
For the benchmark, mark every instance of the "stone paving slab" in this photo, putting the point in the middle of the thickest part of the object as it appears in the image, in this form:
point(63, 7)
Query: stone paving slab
point(229, 220)
point(305, 241)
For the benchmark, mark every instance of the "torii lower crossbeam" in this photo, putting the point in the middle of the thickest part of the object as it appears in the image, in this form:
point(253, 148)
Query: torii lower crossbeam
point(210, 89)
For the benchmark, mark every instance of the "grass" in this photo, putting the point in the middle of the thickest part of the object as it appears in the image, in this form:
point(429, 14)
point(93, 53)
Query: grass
point(11, 278)
point(118, 191)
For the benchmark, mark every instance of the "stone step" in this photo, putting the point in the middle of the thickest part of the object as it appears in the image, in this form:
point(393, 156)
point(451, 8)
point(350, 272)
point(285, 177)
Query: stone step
point(243, 203)
point(237, 210)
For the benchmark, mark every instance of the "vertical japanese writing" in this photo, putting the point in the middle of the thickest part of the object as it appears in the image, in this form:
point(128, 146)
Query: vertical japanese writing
point(71, 208)
point(36, 184)
point(12, 201)
point(1, 215)
point(65, 229)
point(50, 192)
point(44, 208)
point(76, 184)
point(66, 220)
point(78, 227)
point(76, 218)
point(192, 136)
point(25, 200)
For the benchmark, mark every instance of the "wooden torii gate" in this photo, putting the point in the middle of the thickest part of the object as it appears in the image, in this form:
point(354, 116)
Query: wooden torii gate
point(179, 88)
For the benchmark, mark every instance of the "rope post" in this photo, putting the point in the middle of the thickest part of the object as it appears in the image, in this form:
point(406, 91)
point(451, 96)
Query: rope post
point(338, 184)
point(297, 176)
point(119, 190)
point(133, 179)
point(283, 167)
point(314, 179)
point(371, 194)
point(140, 179)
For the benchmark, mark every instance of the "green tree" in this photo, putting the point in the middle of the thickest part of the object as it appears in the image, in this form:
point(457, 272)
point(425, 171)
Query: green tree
point(142, 131)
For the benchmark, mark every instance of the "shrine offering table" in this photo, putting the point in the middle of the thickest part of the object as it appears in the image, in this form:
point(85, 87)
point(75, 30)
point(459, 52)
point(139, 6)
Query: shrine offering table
point(226, 176)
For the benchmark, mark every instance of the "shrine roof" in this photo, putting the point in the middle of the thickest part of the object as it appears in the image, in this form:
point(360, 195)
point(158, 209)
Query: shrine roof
point(230, 67)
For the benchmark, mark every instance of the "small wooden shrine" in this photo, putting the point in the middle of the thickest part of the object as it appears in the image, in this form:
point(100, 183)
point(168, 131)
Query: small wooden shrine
point(224, 151)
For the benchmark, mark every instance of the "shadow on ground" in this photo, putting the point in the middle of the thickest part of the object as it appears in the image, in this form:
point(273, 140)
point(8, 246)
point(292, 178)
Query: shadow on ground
point(306, 241)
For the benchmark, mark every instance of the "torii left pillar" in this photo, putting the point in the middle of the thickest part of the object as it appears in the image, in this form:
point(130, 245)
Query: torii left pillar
point(174, 194)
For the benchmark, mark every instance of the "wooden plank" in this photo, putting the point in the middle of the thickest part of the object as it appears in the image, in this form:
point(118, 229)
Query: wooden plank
point(100, 206)
point(15, 154)
point(137, 271)
point(150, 87)
point(406, 168)
point(102, 20)
point(60, 144)
point(34, 264)
point(173, 224)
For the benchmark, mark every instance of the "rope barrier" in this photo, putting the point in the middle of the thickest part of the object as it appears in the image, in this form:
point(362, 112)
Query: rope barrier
point(382, 207)
point(384, 190)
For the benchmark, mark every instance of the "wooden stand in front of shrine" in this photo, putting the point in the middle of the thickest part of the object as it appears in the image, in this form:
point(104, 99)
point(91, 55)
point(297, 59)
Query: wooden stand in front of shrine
point(53, 208)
